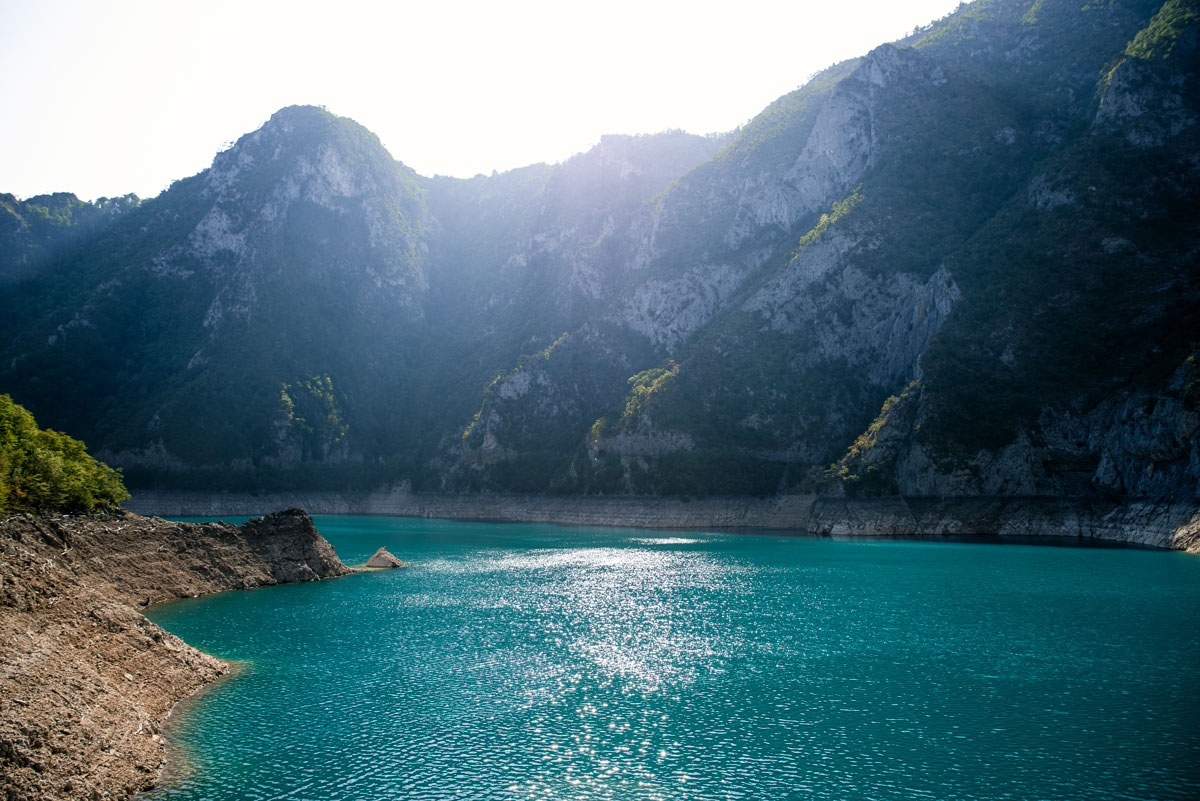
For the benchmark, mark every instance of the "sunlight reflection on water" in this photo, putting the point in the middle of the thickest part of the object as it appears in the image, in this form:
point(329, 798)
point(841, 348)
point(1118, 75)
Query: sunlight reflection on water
point(627, 613)
point(595, 665)
point(664, 540)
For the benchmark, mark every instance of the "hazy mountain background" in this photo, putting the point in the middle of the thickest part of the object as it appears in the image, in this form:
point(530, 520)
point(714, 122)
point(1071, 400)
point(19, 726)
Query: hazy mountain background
point(964, 264)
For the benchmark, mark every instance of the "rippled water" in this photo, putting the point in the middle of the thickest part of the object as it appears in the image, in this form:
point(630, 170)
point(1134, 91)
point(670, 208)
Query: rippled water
point(538, 662)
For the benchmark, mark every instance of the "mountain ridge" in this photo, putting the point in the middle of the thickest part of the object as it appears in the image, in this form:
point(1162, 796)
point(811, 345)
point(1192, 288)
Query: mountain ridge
point(736, 310)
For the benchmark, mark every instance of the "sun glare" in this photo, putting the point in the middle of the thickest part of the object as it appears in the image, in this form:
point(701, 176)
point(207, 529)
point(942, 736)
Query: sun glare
point(129, 96)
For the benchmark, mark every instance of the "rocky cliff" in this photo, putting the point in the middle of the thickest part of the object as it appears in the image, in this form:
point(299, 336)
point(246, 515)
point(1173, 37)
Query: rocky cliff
point(86, 679)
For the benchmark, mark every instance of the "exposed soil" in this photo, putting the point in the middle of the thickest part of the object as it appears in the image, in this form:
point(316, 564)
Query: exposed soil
point(85, 678)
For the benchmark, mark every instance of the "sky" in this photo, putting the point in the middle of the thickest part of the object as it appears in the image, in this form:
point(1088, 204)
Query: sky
point(105, 97)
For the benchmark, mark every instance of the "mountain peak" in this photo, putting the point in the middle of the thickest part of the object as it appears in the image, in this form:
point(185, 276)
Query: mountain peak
point(307, 152)
point(302, 115)
point(311, 125)
point(307, 199)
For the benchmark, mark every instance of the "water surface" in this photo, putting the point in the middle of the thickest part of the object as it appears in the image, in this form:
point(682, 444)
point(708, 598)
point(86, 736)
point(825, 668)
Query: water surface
point(542, 662)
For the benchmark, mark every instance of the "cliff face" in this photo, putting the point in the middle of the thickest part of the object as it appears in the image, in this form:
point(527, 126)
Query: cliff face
point(1076, 377)
point(86, 679)
point(973, 210)
point(1134, 442)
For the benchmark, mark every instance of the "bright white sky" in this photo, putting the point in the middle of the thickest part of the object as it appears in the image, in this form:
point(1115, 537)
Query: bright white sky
point(104, 97)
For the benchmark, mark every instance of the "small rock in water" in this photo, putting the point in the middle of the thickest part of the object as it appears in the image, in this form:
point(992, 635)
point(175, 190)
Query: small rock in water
point(384, 559)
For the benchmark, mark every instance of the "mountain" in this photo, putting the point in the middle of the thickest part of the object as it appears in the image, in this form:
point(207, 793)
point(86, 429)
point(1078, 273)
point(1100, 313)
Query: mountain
point(964, 264)
point(199, 328)
point(35, 231)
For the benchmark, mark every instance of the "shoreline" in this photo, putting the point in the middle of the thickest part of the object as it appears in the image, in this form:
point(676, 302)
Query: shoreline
point(780, 512)
point(86, 680)
point(175, 763)
point(1150, 522)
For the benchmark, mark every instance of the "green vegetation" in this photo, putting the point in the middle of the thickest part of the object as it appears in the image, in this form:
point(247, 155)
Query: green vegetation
point(642, 386)
point(775, 131)
point(498, 379)
point(309, 409)
point(1157, 40)
point(854, 470)
point(840, 209)
point(35, 231)
point(1071, 294)
point(1154, 44)
point(45, 471)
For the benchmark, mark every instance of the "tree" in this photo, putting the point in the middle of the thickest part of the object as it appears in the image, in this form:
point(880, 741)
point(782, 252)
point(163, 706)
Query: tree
point(47, 471)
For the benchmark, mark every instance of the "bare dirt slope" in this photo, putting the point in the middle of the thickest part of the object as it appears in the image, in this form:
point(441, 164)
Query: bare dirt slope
point(85, 678)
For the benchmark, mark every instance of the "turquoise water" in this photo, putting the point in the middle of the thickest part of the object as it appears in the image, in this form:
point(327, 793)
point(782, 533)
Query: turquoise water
point(541, 662)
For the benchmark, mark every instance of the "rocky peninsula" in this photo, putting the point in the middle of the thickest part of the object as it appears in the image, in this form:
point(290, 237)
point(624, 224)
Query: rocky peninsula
point(85, 678)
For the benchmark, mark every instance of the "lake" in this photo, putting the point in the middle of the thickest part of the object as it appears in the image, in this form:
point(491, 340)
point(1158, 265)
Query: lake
point(547, 662)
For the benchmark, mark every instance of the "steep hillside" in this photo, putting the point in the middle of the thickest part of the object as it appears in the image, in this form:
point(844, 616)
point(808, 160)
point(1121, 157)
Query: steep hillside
point(991, 221)
point(225, 322)
point(1069, 365)
point(985, 176)
point(296, 313)
point(37, 230)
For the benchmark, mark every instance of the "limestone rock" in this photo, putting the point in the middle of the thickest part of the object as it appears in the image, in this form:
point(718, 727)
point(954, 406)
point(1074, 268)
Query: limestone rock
point(384, 559)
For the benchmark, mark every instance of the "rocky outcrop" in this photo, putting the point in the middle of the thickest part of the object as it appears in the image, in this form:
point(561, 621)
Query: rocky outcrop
point(668, 311)
point(1143, 104)
point(383, 560)
point(85, 678)
point(329, 176)
point(889, 322)
point(1139, 443)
